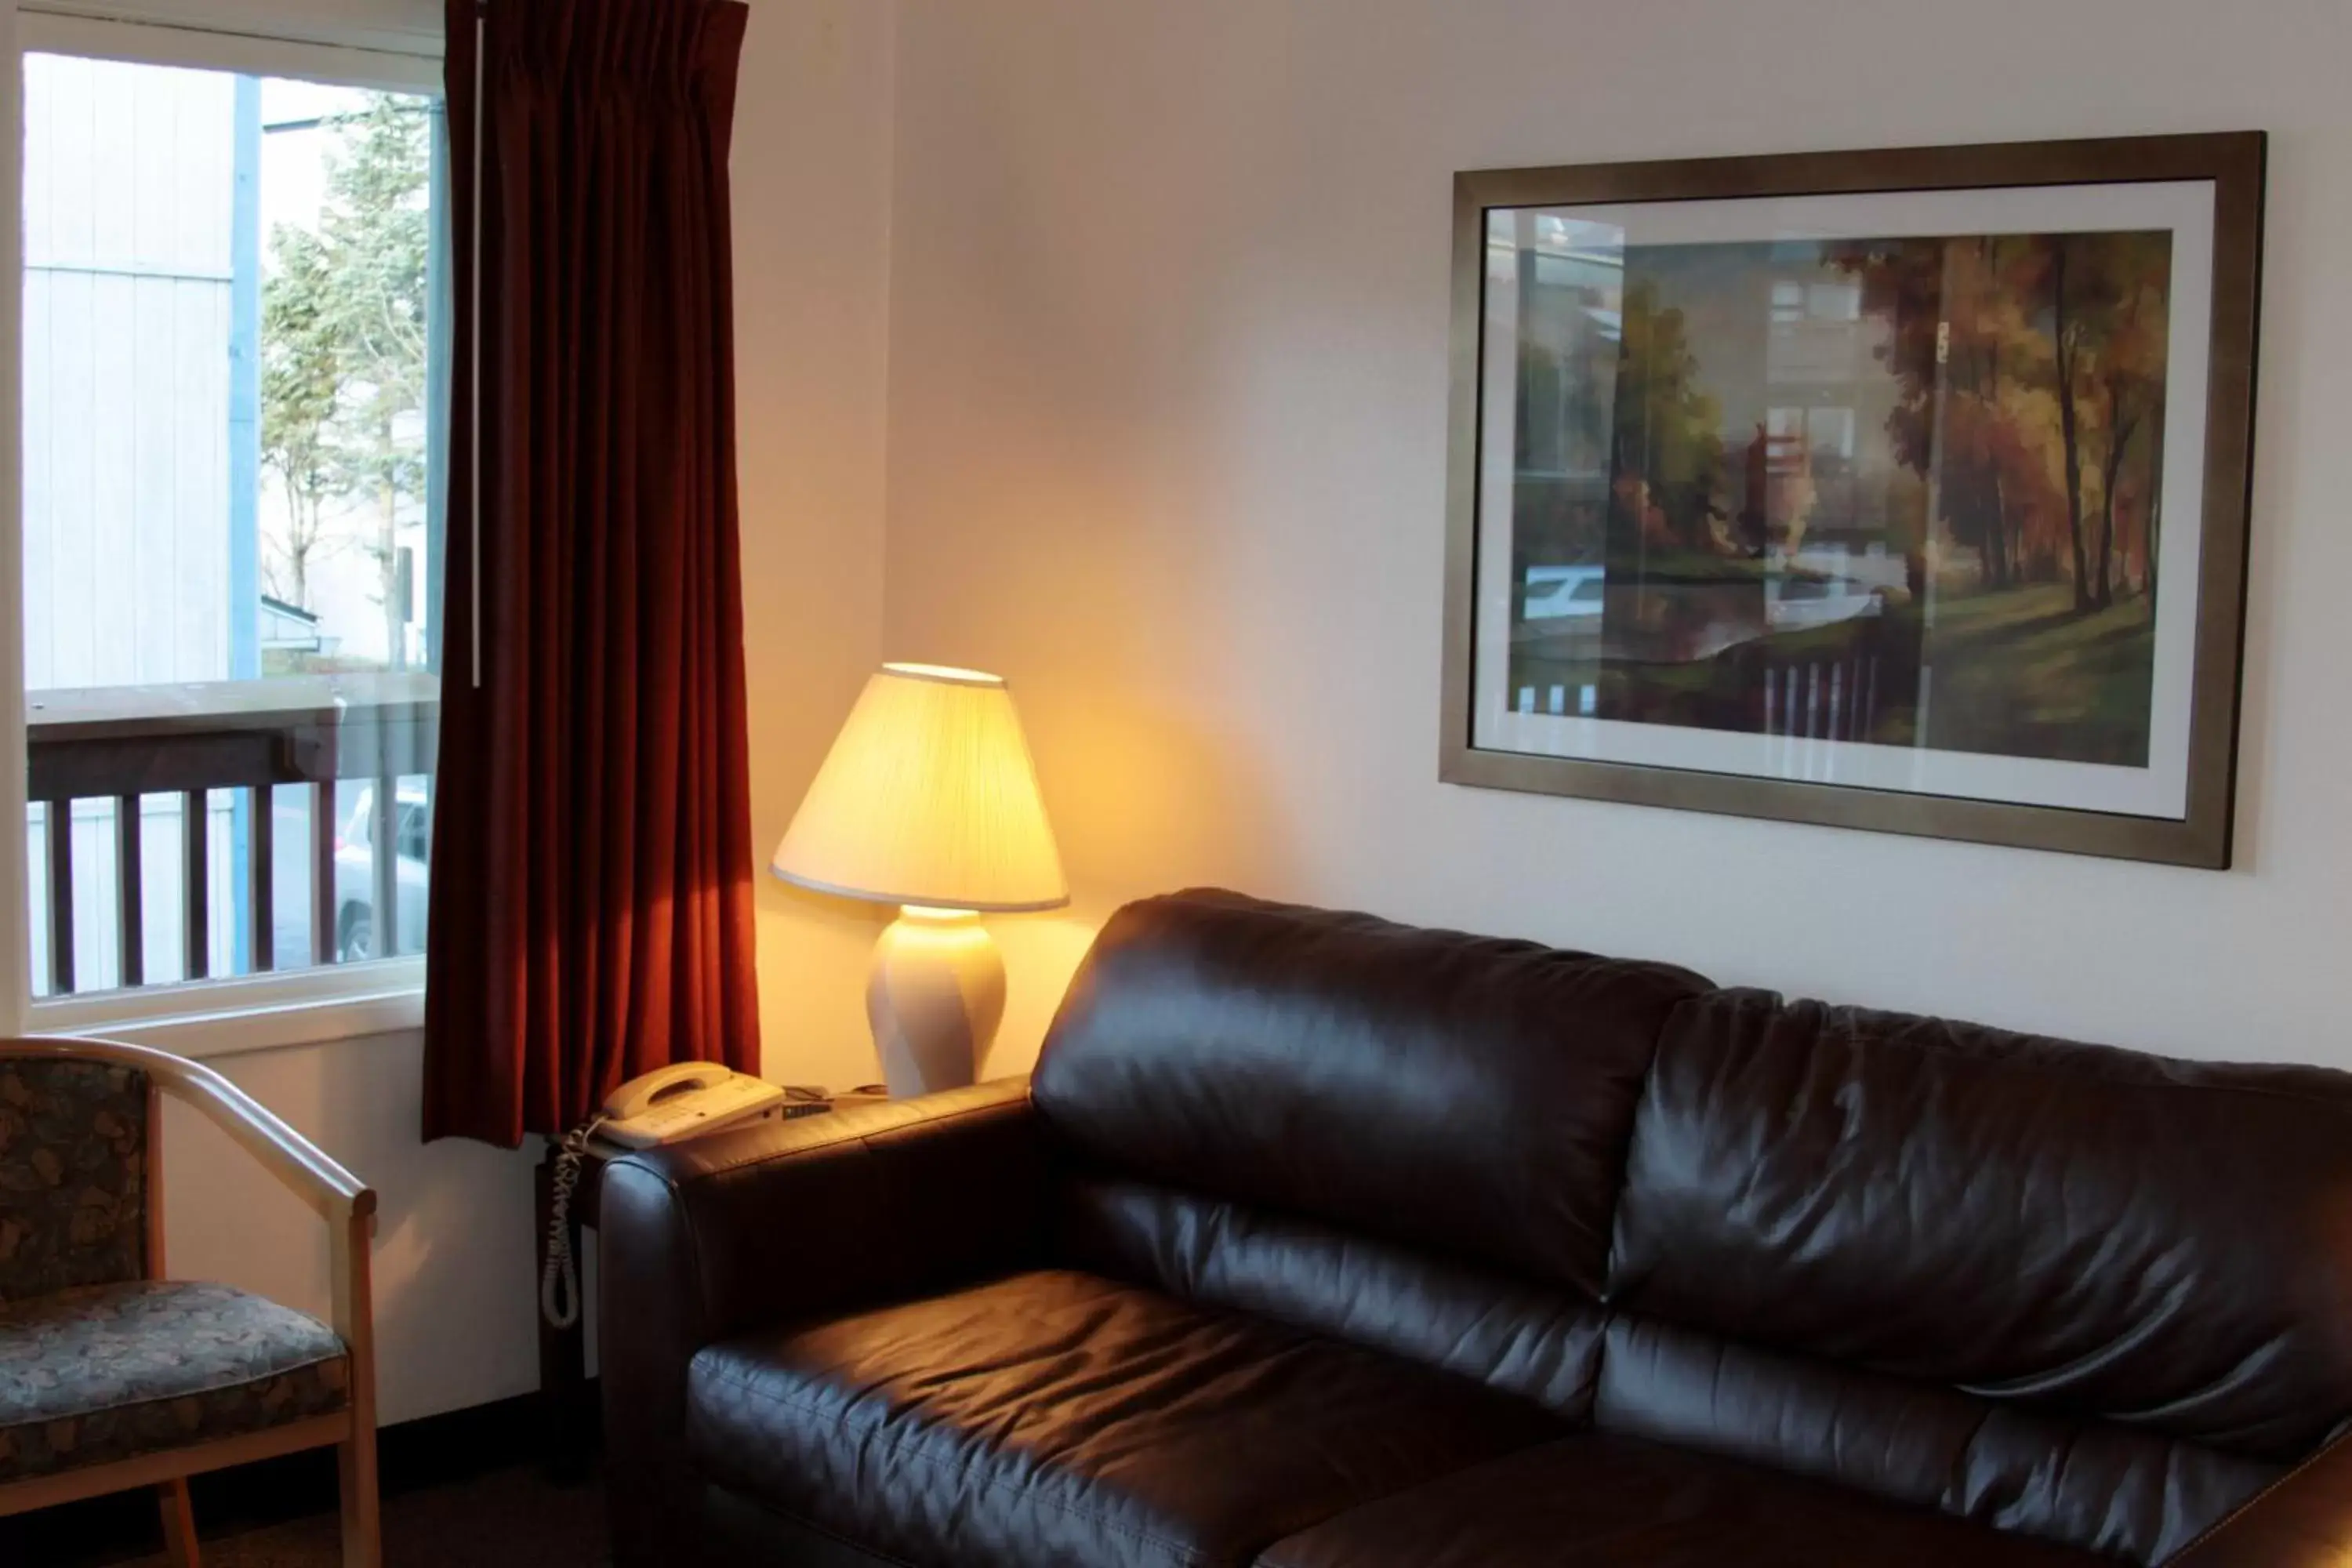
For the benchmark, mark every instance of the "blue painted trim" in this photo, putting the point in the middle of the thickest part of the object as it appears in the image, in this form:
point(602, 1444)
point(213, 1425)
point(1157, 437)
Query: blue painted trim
point(245, 462)
point(244, 389)
point(440, 318)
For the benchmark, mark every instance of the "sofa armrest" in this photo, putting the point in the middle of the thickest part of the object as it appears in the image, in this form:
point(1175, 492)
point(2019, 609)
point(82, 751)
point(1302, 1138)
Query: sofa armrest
point(2304, 1520)
point(709, 1238)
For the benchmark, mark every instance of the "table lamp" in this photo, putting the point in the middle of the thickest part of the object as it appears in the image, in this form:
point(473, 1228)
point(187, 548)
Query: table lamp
point(927, 800)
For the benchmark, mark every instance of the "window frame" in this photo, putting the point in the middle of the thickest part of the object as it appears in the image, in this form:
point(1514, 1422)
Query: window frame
point(380, 46)
point(408, 28)
point(63, 32)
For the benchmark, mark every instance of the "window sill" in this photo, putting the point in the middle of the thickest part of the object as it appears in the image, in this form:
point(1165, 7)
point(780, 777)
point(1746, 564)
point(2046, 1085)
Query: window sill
point(259, 1013)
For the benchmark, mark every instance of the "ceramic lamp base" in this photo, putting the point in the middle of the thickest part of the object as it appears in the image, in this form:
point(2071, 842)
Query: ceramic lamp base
point(934, 999)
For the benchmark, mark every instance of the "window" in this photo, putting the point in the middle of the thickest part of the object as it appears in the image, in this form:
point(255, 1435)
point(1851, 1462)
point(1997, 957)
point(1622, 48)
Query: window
point(232, 355)
point(1797, 437)
point(1833, 301)
point(1794, 303)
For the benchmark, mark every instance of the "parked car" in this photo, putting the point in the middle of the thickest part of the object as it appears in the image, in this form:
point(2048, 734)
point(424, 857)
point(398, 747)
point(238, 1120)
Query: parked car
point(355, 924)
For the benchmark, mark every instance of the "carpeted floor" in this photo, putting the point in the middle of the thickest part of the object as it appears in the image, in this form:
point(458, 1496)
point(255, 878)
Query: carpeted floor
point(511, 1519)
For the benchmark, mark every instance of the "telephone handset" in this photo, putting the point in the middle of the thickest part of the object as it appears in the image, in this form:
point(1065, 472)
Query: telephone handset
point(684, 1099)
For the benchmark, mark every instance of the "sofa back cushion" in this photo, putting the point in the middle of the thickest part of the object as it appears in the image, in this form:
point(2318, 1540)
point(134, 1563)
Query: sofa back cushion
point(2077, 1480)
point(2064, 1291)
point(1539, 1343)
point(2164, 1245)
point(1468, 1094)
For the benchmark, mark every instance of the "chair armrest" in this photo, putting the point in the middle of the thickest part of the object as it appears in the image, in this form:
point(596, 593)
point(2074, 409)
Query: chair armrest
point(709, 1238)
point(342, 1199)
point(293, 1159)
point(2304, 1520)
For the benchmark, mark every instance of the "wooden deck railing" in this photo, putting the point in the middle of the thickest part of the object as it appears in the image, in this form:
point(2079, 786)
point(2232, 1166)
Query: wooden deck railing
point(122, 742)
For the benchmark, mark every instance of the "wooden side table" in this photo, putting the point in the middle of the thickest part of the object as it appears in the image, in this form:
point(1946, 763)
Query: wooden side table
point(568, 1403)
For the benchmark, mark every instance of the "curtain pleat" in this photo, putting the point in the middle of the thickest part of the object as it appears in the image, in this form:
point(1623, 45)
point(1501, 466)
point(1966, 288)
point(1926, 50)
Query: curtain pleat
point(592, 888)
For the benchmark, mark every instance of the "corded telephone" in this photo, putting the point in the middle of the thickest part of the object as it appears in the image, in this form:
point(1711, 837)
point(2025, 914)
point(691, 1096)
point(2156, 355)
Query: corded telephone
point(684, 1099)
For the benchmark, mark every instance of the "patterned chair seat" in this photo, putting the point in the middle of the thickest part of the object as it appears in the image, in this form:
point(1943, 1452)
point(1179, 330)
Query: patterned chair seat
point(104, 1373)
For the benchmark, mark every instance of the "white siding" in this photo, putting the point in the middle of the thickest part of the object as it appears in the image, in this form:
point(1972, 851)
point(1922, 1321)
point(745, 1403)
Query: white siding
point(98, 950)
point(126, 372)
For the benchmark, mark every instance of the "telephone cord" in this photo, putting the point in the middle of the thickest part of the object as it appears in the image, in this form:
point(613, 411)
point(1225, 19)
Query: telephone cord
point(559, 1281)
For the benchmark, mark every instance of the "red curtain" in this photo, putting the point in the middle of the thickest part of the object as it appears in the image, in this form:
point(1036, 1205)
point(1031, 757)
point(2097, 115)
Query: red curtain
point(592, 860)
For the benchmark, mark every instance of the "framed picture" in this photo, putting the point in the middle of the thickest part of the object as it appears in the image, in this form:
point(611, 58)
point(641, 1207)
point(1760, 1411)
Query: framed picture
point(1898, 489)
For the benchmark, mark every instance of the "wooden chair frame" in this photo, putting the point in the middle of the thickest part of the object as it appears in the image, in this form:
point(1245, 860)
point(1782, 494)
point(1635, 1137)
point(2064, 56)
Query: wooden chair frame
point(349, 1208)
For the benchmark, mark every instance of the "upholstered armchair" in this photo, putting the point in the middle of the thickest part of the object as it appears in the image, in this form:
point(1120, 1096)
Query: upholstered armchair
point(114, 1375)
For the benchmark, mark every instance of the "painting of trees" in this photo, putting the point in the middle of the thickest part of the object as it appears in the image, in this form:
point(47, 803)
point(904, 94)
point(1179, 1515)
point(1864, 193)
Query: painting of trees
point(1904, 489)
point(2032, 373)
point(1666, 447)
point(1934, 453)
point(2118, 368)
point(1959, 342)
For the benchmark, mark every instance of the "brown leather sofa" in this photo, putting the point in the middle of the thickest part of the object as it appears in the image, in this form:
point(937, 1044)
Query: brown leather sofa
point(1319, 1242)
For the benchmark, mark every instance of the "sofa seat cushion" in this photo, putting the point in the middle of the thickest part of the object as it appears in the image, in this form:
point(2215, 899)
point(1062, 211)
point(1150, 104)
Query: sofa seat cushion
point(1059, 1418)
point(1599, 1501)
point(111, 1372)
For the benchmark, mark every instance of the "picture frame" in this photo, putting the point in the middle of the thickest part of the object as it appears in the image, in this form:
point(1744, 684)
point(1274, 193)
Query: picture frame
point(1903, 489)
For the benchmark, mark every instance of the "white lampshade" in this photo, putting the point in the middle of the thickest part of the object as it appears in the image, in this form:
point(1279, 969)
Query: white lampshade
point(928, 797)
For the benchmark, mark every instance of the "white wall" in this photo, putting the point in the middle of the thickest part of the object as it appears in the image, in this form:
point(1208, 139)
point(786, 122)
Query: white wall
point(455, 1281)
point(1167, 447)
point(812, 173)
point(455, 1289)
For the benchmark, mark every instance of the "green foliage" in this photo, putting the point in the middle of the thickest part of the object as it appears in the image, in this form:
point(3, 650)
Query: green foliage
point(301, 379)
point(2024, 673)
point(344, 332)
point(376, 230)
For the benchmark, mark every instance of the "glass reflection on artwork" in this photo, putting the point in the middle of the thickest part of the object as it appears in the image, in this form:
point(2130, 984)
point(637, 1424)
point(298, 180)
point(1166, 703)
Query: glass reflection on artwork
point(1904, 491)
